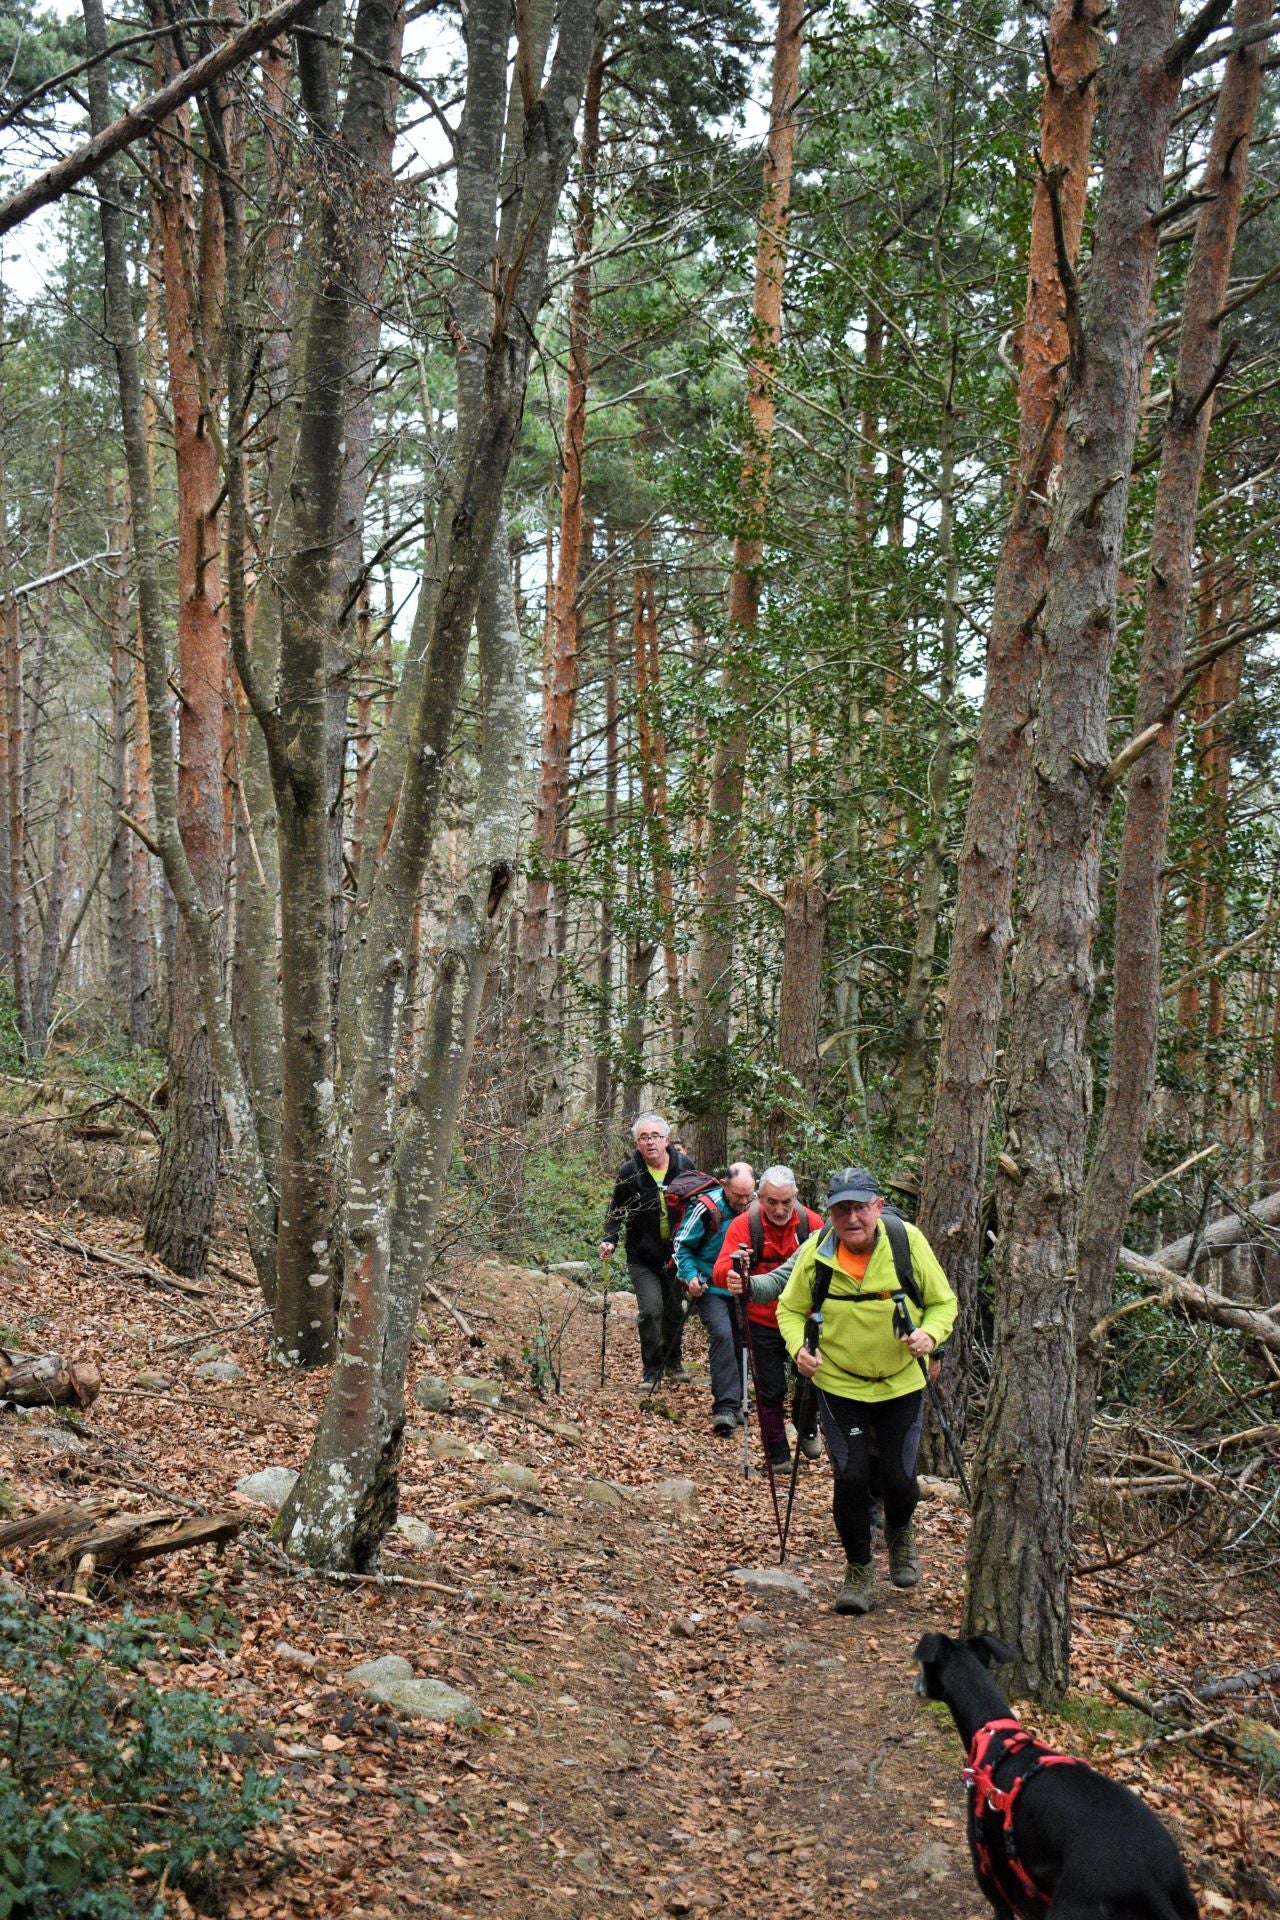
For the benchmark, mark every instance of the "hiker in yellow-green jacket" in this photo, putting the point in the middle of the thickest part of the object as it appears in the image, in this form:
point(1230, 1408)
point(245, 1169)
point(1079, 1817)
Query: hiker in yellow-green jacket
point(867, 1375)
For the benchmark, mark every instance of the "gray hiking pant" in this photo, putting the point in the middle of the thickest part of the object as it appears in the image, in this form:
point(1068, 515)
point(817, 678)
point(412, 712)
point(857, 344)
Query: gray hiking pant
point(715, 1310)
point(660, 1310)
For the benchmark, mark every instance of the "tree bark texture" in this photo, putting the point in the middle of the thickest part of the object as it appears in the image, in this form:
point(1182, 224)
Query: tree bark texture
point(919, 990)
point(168, 841)
point(1136, 998)
point(604, 1075)
point(180, 1209)
point(724, 850)
point(544, 902)
point(1019, 1543)
point(804, 926)
point(954, 1168)
point(345, 1496)
point(651, 757)
point(303, 727)
point(51, 930)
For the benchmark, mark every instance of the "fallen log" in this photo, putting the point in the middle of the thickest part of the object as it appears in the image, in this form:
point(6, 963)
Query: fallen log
point(1200, 1301)
point(47, 1380)
point(112, 1540)
point(1232, 1230)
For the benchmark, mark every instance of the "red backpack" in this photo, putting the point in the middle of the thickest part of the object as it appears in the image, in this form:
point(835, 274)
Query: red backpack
point(681, 1192)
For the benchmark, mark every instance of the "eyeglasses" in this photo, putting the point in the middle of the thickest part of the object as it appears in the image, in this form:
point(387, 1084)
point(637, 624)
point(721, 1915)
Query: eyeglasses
point(640, 1137)
point(854, 1206)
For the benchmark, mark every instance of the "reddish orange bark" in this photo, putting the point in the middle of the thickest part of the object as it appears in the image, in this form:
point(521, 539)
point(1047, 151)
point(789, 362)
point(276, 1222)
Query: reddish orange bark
point(719, 907)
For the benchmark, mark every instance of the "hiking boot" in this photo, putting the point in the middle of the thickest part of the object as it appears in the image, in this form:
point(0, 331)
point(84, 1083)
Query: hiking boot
point(724, 1424)
point(904, 1560)
point(678, 1374)
point(652, 1382)
point(779, 1454)
point(811, 1445)
point(859, 1585)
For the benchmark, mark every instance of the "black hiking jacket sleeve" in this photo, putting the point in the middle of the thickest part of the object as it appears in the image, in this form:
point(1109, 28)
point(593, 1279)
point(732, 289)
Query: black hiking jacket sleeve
point(635, 1212)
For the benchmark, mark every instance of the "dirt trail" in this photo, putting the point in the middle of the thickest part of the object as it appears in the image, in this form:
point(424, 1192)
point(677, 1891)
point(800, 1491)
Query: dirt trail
point(656, 1737)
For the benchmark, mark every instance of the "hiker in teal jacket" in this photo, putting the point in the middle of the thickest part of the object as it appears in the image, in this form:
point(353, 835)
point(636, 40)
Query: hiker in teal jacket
point(697, 1242)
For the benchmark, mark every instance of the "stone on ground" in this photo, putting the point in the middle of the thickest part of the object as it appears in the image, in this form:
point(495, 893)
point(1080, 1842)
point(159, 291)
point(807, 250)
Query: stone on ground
point(270, 1487)
point(771, 1580)
point(482, 1393)
point(432, 1394)
point(523, 1479)
point(603, 1493)
point(681, 1494)
point(218, 1370)
point(447, 1446)
point(417, 1533)
point(392, 1681)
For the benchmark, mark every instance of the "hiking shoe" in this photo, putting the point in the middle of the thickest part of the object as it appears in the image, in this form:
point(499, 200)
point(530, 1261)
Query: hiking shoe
point(904, 1560)
point(779, 1454)
point(652, 1383)
point(811, 1445)
point(724, 1424)
point(678, 1374)
point(859, 1586)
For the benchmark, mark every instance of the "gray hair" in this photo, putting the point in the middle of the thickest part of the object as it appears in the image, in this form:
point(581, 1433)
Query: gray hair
point(779, 1177)
point(649, 1120)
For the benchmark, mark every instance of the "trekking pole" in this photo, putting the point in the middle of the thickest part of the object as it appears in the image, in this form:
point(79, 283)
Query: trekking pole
point(604, 1318)
point(740, 1311)
point(903, 1324)
point(812, 1335)
point(749, 1367)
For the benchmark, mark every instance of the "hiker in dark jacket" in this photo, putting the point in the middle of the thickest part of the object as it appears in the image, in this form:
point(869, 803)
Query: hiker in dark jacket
point(638, 1210)
point(773, 1227)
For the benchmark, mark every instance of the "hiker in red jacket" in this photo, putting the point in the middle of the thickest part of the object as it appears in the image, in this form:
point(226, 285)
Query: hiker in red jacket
point(768, 1233)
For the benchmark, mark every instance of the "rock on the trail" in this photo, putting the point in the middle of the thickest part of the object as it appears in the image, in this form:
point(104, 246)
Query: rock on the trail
point(417, 1533)
point(392, 1681)
point(481, 1393)
point(433, 1394)
point(680, 1494)
point(566, 1430)
point(934, 1861)
point(771, 1580)
point(583, 1272)
point(447, 1446)
point(932, 1488)
point(603, 1493)
point(13, 1266)
point(270, 1488)
point(152, 1382)
point(218, 1370)
point(755, 1623)
point(211, 1352)
point(523, 1479)
point(716, 1724)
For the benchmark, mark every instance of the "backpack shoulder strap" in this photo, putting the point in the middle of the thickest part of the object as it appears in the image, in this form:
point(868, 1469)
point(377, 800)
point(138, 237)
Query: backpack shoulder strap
point(755, 1232)
point(900, 1247)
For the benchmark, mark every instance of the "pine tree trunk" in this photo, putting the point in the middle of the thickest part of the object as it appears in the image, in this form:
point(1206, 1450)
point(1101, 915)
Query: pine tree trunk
point(1136, 998)
point(168, 842)
point(604, 1077)
point(720, 896)
point(545, 893)
point(953, 1172)
point(804, 926)
point(51, 932)
point(1019, 1543)
point(141, 968)
point(180, 1210)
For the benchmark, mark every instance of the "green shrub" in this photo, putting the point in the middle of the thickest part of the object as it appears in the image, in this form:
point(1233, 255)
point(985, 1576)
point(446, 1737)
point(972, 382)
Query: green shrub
point(102, 1774)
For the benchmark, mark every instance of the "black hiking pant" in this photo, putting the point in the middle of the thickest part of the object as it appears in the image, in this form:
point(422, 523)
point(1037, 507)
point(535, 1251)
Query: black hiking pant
point(773, 1371)
point(660, 1310)
point(848, 1427)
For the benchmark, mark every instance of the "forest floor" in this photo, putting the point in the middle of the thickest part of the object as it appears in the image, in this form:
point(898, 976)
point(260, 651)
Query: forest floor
point(656, 1737)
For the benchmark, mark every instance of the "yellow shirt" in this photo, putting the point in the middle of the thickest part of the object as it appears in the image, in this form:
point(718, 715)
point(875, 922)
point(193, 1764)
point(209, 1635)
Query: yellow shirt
point(659, 1175)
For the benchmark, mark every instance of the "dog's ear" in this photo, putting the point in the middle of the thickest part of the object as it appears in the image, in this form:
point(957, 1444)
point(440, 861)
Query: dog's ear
point(929, 1648)
point(991, 1651)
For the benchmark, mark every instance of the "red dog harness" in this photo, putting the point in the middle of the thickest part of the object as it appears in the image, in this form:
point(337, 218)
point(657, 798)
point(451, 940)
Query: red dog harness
point(995, 1852)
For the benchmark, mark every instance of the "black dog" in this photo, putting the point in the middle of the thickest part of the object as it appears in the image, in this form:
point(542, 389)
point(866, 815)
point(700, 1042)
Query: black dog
point(1051, 1839)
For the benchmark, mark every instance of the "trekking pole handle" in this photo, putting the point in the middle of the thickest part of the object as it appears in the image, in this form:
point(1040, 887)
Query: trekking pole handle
point(813, 1331)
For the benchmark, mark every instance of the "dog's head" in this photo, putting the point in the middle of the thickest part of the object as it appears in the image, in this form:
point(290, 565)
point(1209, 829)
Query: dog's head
point(936, 1651)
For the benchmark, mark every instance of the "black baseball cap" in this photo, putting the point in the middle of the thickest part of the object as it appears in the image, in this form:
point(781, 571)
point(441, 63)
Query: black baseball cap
point(852, 1183)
